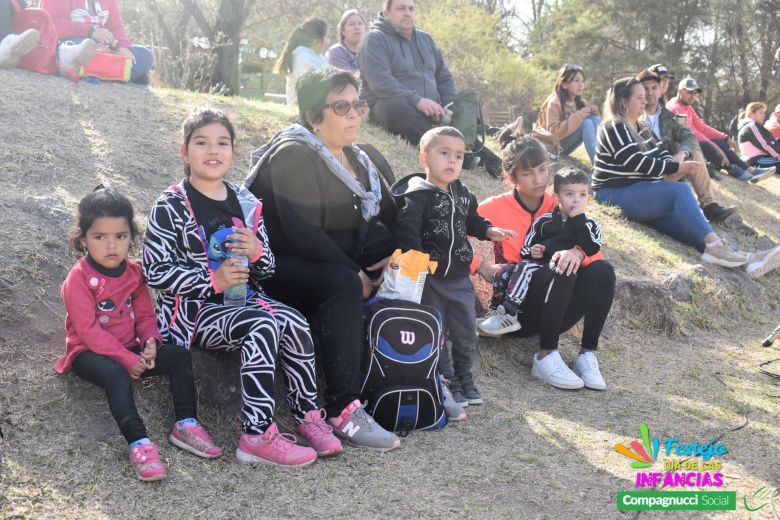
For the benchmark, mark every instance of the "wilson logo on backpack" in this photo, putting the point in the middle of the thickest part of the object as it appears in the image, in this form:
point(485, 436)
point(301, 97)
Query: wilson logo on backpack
point(407, 337)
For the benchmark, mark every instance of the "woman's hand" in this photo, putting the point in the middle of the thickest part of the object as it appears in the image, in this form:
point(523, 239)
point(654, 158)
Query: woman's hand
point(585, 111)
point(594, 110)
point(688, 167)
point(244, 243)
point(149, 352)
point(230, 273)
point(488, 271)
point(376, 282)
point(103, 35)
point(567, 262)
point(497, 234)
point(127, 53)
point(367, 283)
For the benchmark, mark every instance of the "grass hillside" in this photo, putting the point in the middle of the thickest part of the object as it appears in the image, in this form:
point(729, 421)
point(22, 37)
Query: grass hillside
point(681, 353)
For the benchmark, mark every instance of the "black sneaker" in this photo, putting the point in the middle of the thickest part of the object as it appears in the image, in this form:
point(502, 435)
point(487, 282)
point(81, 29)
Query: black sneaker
point(714, 175)
point(472, 394)
point(471, 161)
point(457, 395)
point(716, 213)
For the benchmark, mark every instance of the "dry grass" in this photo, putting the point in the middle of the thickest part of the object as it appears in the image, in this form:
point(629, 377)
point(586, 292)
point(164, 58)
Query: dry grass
point(530, 452)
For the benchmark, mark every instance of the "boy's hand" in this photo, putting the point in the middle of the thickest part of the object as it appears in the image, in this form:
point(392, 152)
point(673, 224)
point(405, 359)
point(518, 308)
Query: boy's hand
point(537, 251)
point(243, 242)
point(497, 234)
point(576, 210)
point(149, 353)
point(488, 271)
point(138, 368)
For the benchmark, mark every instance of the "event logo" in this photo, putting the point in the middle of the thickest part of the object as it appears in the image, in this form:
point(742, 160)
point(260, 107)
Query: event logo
point(644, 456)
point(760, 498)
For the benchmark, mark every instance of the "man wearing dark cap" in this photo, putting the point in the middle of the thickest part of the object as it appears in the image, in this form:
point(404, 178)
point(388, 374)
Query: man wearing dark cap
point(681, 142)
point(714, 144)
point(663, 73)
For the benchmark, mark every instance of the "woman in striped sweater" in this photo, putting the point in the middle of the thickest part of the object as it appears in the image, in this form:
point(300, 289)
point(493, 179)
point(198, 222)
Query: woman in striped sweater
point(629, 171)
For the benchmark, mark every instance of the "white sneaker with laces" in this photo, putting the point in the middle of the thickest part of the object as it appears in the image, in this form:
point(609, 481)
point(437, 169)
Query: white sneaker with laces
point(721, 254)
point(552, 370)
point(499, 323)
point(587, 367)
point(14, 46)
point(763, 262)
point(76, 55)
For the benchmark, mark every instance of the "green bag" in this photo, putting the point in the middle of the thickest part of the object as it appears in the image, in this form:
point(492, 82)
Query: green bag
point(466, 117)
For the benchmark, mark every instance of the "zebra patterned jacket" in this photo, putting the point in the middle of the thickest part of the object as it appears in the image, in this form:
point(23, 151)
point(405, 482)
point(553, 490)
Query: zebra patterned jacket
point(175, 260)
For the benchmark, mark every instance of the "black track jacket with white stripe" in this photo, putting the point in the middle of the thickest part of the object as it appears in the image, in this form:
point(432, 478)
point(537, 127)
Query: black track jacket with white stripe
point(556, 234)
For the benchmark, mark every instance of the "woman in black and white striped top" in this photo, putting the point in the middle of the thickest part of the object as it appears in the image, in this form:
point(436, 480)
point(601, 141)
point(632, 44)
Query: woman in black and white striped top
point(629, 171)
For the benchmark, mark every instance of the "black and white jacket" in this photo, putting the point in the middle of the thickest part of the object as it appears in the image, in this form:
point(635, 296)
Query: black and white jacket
point(176, 263)
point(438, 223)
point(557, 234)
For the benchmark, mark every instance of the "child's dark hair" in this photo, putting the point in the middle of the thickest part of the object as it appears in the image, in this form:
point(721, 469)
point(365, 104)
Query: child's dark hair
point(104, 201)
point(430, 136)
point(200, 117)
point(569, 175)
point(519, 151)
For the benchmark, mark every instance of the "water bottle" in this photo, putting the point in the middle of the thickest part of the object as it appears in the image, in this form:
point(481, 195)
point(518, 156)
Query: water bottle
point(235, 295)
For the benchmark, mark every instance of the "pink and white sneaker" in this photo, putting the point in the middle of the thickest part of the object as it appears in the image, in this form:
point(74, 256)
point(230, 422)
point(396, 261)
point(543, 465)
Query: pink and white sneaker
point(195, 440)
point(273, 447)
point(146, 462)
point(318, 434)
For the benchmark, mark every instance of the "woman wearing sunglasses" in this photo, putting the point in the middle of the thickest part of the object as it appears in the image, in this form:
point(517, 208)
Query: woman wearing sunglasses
point(328, 215)
point(565, 115)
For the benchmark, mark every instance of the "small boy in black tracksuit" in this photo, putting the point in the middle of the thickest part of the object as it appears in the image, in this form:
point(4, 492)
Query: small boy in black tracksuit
point(437, 214)
point(565, 228)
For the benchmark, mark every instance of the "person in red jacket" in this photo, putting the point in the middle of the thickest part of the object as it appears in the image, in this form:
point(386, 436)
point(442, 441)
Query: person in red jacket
point(99, 20)
point(112, 335)
point(716, 146)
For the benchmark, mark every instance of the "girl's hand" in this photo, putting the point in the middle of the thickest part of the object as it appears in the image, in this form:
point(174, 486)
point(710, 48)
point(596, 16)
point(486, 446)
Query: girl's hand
point(487, 271)
point(585, 111)
point(497, 234)
point(127, 53)
point(594, 110)
point(567, 262)
point(149, 353)
point(243, 242)
point(537, 251)
point(368, 286)
point(138, 368)
point(376, 282)
point(103, 35)
point(230, 273)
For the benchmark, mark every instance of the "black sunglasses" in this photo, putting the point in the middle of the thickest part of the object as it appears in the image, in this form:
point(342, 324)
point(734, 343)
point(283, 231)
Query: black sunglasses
point(341, 107)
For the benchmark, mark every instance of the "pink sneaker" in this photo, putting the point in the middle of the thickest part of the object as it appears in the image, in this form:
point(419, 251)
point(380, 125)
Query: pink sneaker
point(318, 434)
point(195, 440)
point(146, 462)
point(273, 447)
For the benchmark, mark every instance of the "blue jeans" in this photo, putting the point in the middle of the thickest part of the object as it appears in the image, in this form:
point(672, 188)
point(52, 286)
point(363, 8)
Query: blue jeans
point(585, 134)
point(143, 61)
point(669, 207)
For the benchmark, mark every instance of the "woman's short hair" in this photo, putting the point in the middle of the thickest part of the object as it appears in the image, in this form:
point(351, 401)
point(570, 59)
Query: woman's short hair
point(345, 17)
point(313, 89)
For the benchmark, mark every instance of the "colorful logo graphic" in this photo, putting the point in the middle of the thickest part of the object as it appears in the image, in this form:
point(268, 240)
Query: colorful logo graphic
point(643, 455)
point(759, 498)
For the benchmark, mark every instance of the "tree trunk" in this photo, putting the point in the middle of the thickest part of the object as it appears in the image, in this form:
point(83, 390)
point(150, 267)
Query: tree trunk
point(227, 34)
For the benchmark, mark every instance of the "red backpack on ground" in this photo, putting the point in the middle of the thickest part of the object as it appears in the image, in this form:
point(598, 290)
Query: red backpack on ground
point(43, 58)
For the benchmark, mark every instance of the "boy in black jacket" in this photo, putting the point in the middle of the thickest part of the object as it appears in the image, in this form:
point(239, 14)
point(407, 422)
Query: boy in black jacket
point(437, 214)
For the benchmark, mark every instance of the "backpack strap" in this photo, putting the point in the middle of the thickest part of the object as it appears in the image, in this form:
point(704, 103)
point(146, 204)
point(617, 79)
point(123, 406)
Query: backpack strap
point(380, 162)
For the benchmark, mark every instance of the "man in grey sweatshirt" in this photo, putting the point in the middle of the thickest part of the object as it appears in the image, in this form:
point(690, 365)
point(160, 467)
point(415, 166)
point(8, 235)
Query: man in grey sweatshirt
point(405, 79)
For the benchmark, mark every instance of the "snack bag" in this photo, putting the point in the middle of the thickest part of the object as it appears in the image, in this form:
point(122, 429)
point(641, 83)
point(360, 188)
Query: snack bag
point(405, 275)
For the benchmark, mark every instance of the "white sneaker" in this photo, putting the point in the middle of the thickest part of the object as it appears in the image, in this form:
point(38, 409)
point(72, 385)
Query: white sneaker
point(498, 323)
point(14, 46)
point(768, 261)
point(74, 56)
point(552, 370)
point(721, 254)
point(587, 367)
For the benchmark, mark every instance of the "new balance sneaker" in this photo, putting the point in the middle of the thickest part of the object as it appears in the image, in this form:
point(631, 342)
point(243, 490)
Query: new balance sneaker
point(75, 55)
point(195, 440)
point(274, 448)
point(14, 46)
point(355, 427)
point(454, 411)
point(586, 366)
point(472, 394)
point(552, 370)
point(498, 323)
point(763, 262)
point(759, 174)
point(319, 434)
point(146, 462)
point(721, 254)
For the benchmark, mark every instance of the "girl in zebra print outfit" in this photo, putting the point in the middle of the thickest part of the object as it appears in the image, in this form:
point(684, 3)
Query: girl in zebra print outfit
point(190, 229)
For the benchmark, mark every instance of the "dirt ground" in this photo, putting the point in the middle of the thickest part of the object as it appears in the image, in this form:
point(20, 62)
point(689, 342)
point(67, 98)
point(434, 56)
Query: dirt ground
point(688, 368)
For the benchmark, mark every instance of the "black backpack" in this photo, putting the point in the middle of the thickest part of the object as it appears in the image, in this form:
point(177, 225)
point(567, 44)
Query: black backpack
point(402, 386)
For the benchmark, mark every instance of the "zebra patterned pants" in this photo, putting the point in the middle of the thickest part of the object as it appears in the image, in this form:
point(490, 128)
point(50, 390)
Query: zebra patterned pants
point(262, 329)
